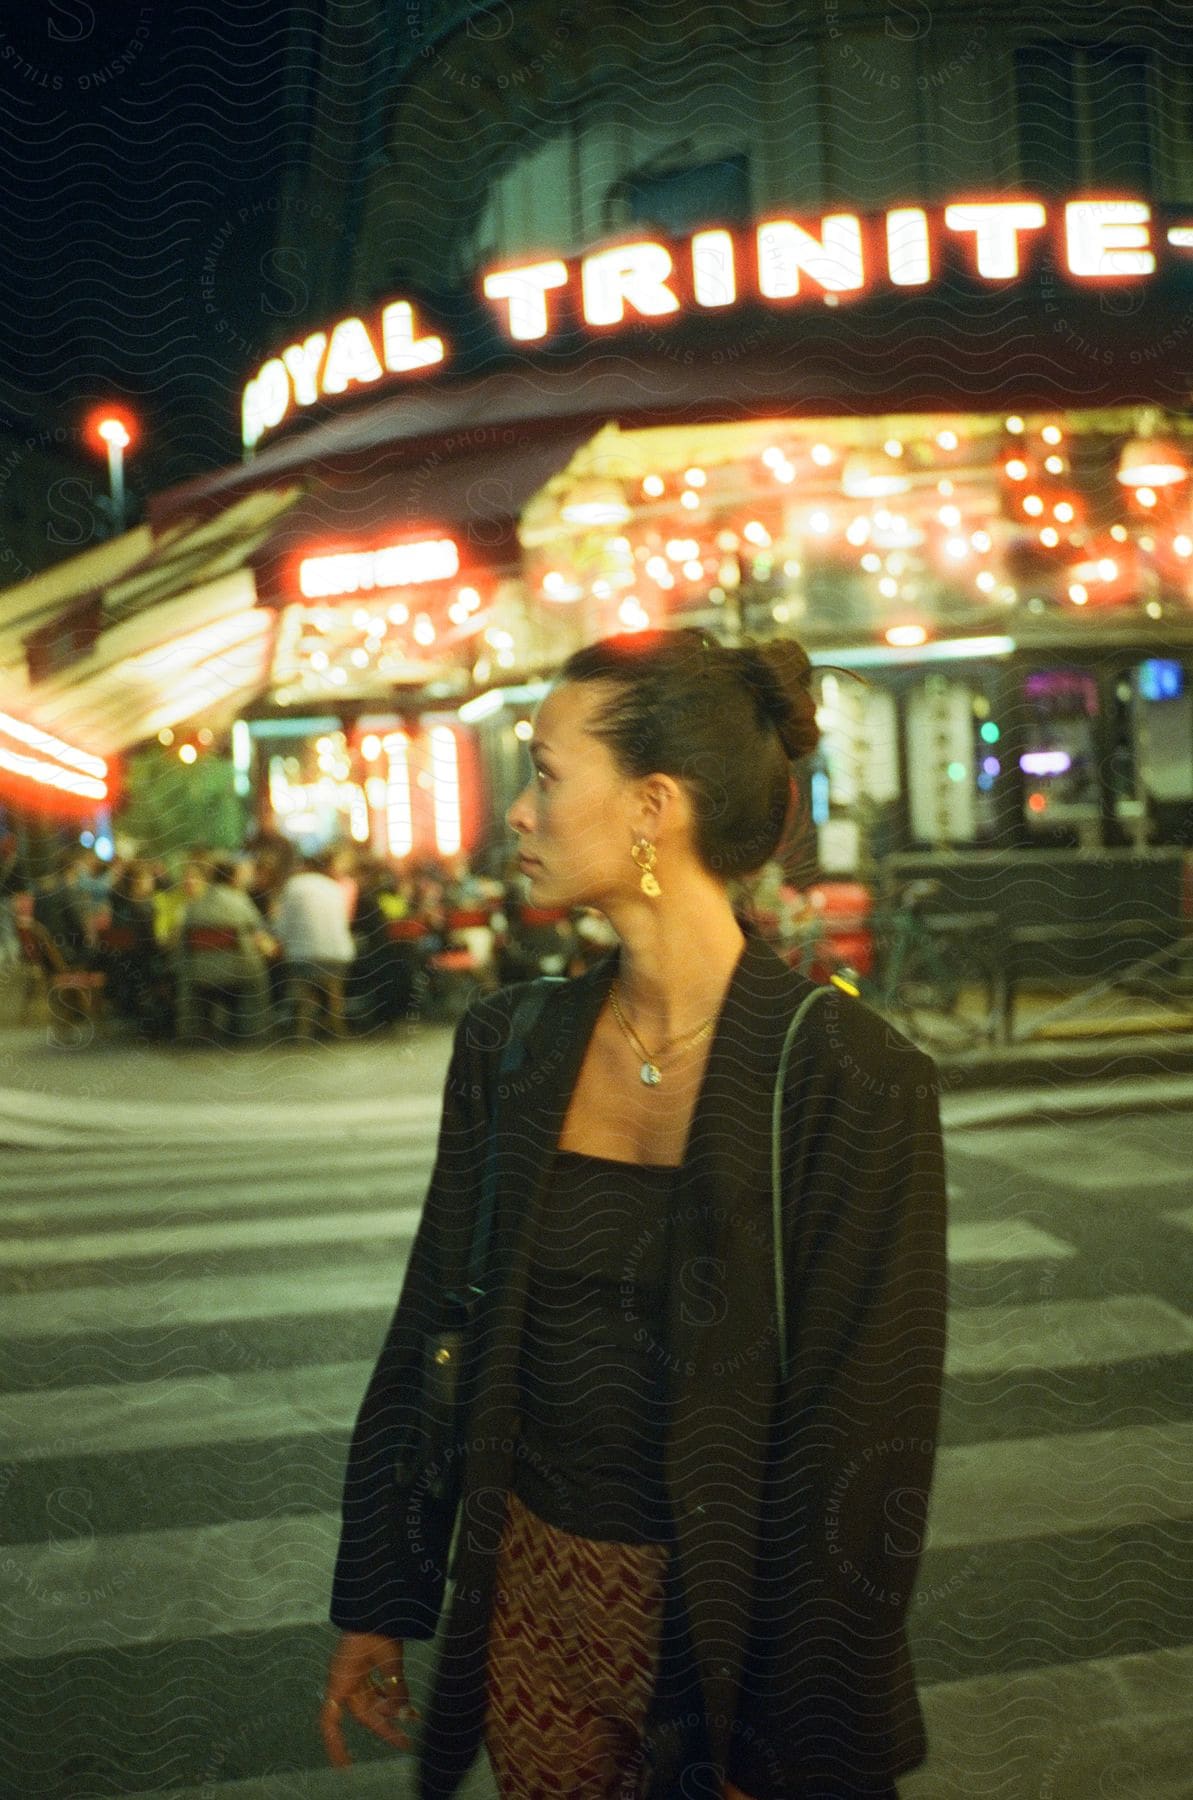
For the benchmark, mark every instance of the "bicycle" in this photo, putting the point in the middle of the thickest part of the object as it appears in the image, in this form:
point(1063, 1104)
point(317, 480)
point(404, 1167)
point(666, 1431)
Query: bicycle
point(923, 975)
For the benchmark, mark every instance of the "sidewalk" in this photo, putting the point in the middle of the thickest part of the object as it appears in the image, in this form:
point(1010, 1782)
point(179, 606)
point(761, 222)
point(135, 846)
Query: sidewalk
point(1108, 1037)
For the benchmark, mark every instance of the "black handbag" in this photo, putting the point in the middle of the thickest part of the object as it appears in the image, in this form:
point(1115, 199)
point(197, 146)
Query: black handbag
point(444, 1350)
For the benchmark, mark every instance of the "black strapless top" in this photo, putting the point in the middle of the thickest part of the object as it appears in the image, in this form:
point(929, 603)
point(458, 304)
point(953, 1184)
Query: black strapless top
point(594, 1364)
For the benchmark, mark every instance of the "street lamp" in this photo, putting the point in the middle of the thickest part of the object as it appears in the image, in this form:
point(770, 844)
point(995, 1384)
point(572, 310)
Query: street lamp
point(111, 431)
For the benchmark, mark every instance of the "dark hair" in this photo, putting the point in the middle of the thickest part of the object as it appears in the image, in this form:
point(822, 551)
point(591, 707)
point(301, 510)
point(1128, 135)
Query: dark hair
point(726, 722)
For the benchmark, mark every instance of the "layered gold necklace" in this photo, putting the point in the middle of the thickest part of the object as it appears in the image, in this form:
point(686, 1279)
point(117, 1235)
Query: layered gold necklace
point(649, 1074)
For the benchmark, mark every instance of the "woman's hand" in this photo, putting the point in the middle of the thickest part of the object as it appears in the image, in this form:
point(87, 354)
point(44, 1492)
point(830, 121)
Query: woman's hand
point(357, 1658)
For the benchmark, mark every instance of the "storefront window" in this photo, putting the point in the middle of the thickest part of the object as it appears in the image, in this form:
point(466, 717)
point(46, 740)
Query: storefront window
point(1059, 758)
point(1158, 720)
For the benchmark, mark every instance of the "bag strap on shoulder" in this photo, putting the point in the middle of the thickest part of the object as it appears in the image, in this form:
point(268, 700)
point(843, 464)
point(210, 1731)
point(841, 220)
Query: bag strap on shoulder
point(776, 1152)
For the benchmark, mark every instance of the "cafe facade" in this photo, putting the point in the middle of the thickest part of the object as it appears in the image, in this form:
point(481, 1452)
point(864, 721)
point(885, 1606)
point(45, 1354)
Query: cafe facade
point(947, 447)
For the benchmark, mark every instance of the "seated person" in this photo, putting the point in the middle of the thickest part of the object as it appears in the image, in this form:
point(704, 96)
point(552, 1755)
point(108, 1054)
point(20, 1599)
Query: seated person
point(311, 923)
point(234, 973)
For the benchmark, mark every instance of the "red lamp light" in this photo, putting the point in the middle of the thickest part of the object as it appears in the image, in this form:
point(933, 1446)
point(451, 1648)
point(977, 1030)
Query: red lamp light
point(111, 428)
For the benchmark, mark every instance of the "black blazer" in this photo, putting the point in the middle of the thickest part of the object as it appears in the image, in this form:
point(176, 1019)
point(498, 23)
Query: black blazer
point(799, 1507)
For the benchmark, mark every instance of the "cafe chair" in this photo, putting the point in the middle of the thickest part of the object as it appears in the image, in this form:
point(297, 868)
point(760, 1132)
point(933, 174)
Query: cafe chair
point(74, 997)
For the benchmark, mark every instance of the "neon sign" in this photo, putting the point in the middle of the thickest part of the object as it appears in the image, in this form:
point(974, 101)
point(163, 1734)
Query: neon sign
point(394, 566)
point(780, 261)
point(71, 772)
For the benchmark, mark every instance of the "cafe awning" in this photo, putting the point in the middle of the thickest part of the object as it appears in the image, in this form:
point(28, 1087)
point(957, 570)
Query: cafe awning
point(146, 631)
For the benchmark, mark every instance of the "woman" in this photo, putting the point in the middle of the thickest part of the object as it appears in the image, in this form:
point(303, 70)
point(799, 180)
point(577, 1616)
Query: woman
point(677, 1569)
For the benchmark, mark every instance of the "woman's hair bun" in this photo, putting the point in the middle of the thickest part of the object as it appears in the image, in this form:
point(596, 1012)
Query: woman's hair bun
point(780, 674)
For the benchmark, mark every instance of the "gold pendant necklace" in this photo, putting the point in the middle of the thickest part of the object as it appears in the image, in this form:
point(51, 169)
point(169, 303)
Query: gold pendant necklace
point(649, 1074)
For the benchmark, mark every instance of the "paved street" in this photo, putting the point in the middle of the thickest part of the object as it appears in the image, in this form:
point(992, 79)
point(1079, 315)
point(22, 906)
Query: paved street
point(187, 1327)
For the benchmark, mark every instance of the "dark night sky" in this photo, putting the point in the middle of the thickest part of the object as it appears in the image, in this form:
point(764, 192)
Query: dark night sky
point(141, 149)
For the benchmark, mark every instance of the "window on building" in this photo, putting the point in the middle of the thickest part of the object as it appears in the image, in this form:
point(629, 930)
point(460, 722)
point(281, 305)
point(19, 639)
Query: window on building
point(678, 200)
point(1059, 761)
point(1084, 116)
point(1046, 106)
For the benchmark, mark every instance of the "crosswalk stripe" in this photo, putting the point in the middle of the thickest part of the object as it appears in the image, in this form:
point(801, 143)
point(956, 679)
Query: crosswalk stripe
point(1058, 1731)
point(1004, 1240)
point(263, 1575)
point(203, 1300)
point(327, 1227)
point(393, 1776)
point(1064, 1334)
point(23, 1177)
point(1046, 1486)
point(326, 1188)
point(200, 1409)
point(210, 1409)
point(150, 1587)
point(89, 1113)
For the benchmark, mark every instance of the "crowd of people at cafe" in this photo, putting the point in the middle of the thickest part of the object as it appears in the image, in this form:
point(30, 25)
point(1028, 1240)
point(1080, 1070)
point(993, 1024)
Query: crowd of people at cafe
point(265, 943)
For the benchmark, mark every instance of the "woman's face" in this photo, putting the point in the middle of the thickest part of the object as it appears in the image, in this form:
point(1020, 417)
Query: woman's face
point(576, 815)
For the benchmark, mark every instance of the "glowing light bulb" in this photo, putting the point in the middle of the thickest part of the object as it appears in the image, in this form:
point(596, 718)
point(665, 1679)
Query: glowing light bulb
point(1146, 496)
point(1052, 434)
point(821, 455)
point(1078, 593)
point(1183, 545)
point(689, 499)
point(947, 440)
point(1050, 536)
point(695, 477)
point(1055, 465)
point(950, 516)
point(893, 447)
point(1017, 468)
point(1063, 511)
point(756, 533)
point(654, 485)
point(1033, 504)
point(1014, 423)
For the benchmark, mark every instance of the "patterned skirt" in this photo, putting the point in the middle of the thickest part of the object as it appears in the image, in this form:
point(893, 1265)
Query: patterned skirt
point(574, 1641)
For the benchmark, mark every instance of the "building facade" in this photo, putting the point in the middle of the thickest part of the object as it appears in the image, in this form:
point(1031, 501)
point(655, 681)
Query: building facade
point(870, 324)
point(939, 258)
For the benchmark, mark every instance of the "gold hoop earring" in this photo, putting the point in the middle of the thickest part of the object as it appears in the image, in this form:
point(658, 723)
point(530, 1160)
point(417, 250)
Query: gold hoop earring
point(643, 853)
